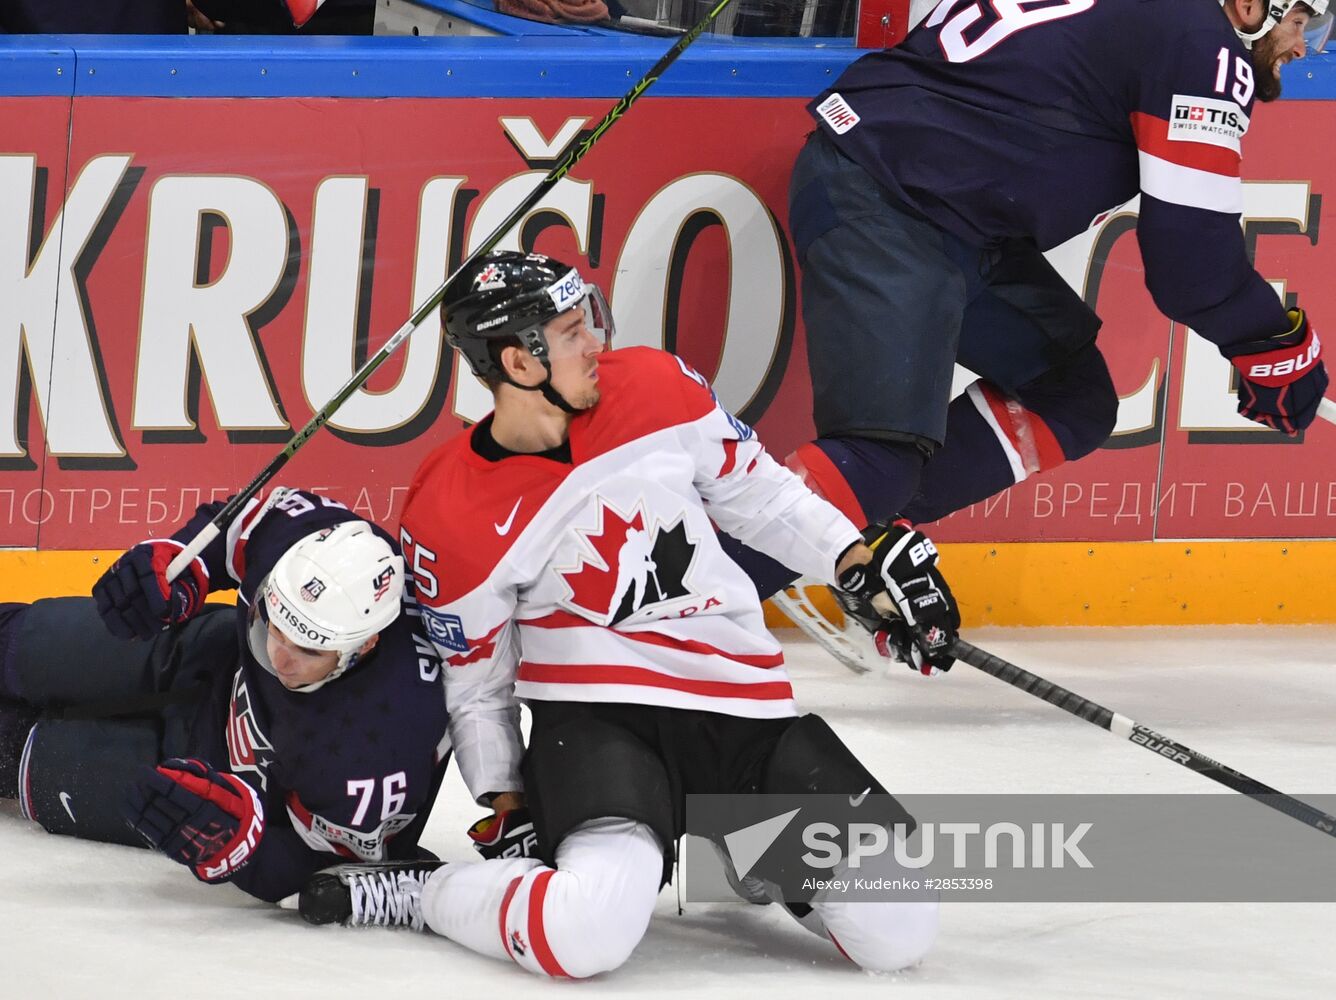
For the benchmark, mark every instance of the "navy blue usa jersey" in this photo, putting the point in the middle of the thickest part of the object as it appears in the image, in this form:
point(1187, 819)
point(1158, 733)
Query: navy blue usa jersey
point(347, 771)
point(1032, 119)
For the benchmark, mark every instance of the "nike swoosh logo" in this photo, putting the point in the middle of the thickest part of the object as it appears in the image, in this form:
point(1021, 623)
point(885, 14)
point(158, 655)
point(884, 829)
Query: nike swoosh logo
point(857, 800)
point(65, 801)
point(503, 527)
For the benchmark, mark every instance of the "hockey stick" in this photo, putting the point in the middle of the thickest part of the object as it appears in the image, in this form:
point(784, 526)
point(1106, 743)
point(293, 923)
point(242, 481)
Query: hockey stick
point(1121, 725)
point(574, 153)
point(1327, 411)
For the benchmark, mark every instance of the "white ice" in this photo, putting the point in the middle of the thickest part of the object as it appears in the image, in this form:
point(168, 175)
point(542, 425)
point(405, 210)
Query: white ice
point(90, 920)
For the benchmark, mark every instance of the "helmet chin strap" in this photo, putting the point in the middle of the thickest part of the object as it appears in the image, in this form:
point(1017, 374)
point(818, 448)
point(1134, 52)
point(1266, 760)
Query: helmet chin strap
point(1248, 37)
point(545, 387)
point(556, 398)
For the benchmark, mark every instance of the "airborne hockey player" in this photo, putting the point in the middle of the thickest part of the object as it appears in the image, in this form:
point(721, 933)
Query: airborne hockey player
point(255, 745)
point(940, 172)
point(565, 556)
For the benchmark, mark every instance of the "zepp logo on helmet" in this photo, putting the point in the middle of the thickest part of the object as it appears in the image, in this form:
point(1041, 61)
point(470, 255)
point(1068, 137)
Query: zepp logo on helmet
point(568, 291)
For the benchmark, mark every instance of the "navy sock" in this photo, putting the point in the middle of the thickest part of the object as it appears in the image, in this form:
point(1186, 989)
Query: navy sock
point(969, 467)
point(880, 475)
point(766, 574)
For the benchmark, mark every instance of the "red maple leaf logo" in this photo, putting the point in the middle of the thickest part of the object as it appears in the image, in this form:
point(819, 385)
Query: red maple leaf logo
point(594, 581)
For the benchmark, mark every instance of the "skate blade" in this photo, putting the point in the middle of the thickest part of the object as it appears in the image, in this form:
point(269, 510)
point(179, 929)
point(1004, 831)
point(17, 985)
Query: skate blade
point(849, 643)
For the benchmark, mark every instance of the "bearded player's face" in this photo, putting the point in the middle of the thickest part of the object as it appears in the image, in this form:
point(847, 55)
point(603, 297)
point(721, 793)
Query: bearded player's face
point(1283, 43)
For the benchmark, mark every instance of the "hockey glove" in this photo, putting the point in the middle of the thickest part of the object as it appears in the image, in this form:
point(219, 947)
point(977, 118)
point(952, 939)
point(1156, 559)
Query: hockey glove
point(507, 834)
point(904, 569)
point(200, 817)
point(134, 597)
point(1283, 378)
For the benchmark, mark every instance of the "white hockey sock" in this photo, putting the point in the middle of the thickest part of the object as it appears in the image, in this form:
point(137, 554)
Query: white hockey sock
point(577, 920)
point(461, 901)
point(882, 934)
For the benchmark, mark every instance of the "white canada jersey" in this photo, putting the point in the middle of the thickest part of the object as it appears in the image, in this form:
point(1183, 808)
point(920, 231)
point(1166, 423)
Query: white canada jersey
point(601, 579)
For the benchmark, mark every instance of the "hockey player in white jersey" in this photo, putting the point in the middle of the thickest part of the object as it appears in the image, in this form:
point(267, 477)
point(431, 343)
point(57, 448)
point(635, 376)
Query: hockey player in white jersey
point(649, 673)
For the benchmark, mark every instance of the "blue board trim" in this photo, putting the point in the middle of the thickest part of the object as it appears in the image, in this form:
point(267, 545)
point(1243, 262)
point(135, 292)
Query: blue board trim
point(35, 67)
point(581, 65)
point(570, 64)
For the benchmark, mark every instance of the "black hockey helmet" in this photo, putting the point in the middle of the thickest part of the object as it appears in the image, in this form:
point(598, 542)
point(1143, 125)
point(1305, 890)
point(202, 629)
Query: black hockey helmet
point(511, 294)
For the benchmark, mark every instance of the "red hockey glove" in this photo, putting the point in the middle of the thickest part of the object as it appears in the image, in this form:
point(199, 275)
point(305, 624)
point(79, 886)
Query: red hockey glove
point(134, 597)
point(200, 817)
point(1283, 378)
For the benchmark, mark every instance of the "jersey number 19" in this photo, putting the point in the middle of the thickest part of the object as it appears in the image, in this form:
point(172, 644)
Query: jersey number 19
point(1009, 17)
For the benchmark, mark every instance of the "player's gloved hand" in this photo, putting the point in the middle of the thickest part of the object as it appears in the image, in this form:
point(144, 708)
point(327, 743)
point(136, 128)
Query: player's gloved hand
point(508, 834)
point(1282, 378)
point(904, 569)
point(202, 818)
point(134, 597)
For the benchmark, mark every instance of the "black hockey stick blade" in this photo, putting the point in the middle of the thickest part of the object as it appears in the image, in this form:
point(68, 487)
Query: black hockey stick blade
point(573, 154)
point(1144, 736)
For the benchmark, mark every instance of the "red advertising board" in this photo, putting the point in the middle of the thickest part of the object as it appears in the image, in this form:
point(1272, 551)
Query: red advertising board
point(208, 271)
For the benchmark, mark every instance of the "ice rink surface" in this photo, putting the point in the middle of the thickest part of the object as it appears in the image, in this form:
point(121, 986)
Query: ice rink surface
point(90, 920)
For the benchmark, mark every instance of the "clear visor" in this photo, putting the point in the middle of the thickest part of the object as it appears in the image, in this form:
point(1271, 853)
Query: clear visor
point(598, 317)
point(1318, 32)
point(257, 639)
point(562, 334)
point(257, 636)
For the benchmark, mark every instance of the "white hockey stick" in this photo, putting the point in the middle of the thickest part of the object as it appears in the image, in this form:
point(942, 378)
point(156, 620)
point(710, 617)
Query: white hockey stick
point(1327, 410)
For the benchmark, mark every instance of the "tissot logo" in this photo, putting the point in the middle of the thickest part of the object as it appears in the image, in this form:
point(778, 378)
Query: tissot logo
point(1212, 116)
point(1206, 120)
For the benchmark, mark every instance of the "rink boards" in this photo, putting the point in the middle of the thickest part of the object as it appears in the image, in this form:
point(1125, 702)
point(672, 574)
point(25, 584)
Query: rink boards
point(201, 240)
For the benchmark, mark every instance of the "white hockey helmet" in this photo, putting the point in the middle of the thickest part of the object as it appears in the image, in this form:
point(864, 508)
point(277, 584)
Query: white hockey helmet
point(334, 590)
point(1316, 33)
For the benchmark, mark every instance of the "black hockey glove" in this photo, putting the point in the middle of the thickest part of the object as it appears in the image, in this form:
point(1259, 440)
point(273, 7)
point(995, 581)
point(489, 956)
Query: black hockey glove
point(904, 569)
point(1281, 379)
point(508, 834)
point(200, 817)
point(136, 601)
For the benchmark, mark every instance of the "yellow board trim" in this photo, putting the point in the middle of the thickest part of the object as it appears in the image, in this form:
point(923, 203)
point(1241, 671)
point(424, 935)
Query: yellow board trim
point(1022, 583)
point(1139, 583)
point(26, 574)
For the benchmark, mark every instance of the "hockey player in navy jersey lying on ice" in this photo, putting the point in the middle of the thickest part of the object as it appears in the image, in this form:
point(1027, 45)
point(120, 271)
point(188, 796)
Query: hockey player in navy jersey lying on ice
point(564, 555)
point(254, 744)
point(941, 170)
